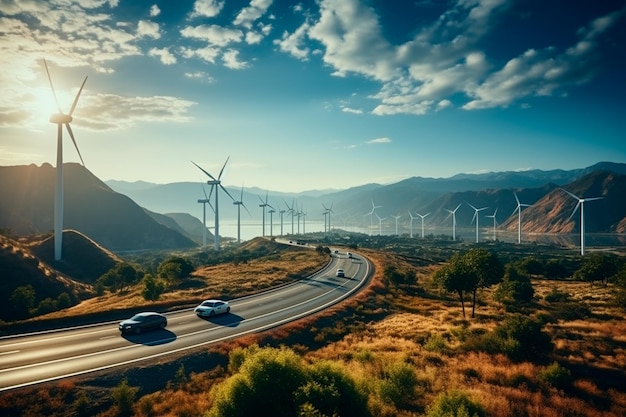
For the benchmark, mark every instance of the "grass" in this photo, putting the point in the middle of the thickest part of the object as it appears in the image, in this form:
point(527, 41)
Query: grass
point(383, 326)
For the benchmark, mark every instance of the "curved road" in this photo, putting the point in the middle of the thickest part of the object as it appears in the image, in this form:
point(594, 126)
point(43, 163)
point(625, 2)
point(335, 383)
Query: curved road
point(46, 356)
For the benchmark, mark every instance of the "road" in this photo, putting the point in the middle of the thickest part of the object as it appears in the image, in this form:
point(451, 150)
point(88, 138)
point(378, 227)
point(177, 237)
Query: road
point(30, 359)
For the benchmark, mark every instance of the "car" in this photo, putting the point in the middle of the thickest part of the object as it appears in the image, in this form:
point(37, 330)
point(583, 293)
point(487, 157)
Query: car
point(340, 273)
point(211, 308)
point(140, 322)
point(349, 255)
point(336, 252)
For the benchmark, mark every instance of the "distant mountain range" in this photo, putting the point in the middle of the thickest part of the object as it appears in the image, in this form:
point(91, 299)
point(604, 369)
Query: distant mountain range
point(132, 216)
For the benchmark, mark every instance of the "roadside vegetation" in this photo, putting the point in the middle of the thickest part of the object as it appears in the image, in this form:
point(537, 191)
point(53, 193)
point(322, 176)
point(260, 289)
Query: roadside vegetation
point(545, 337)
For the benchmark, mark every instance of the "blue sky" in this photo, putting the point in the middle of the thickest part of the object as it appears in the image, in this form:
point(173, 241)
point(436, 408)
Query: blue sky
point(314, 94)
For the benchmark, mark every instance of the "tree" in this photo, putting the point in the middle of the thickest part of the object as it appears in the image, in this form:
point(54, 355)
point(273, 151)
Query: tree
point(466, 273)
point(174, 269)
point(515, 287)
point(597, 267)
point(124, 397)
point(120, 277)
point(22, 300)
point(152, 288)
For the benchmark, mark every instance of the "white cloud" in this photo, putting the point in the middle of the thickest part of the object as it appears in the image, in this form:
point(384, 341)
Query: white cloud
point(148, 29)
point(231, 60)
point(164, 54)
point(295, 43)
point(351, 110)
point(213, 34)
point(378, 141)
point(206, 8)
point(154, 10)
point(208, 54)
point(249, 14)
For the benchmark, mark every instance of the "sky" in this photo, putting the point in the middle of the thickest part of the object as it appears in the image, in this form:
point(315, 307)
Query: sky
point(314, 95)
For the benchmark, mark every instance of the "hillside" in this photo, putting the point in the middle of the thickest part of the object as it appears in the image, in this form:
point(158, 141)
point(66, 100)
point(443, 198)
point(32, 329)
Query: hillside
point(91, 207)
point(31, 263)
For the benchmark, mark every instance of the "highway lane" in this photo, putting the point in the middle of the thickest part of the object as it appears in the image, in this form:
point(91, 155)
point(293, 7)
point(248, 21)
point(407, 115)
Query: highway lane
point(47, 356)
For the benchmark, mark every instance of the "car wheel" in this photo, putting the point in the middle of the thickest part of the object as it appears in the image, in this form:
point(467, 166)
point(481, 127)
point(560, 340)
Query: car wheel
point(212, 313)
point(228, 310)
point(162, 325)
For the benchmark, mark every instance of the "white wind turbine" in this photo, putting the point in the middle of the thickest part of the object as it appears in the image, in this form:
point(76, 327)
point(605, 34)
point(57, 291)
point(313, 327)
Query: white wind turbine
point(412, 218)
point(216, 183)
point(290, 210)
point(380, 224)
point(61, 119)
point(519, 217)
point(397, 217)
point(422, 216)
point(495, 223)
point(281, 212)
point(240, 203)
point(204, 202)
point(264, 206)
point(327, 212)
point(271, 211)
point(581, 204)
point(453, 213)
point(476, 210)
point(371, 214)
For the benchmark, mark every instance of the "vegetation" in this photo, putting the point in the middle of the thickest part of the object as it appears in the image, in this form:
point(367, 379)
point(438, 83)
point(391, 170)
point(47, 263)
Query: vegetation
point(401, 348)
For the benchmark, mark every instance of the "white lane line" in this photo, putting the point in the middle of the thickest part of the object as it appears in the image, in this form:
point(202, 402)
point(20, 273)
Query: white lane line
point(11, 352)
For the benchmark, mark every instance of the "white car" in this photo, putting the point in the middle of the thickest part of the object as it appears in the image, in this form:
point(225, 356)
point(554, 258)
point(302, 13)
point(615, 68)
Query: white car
point(210, 308)
point(340, 273)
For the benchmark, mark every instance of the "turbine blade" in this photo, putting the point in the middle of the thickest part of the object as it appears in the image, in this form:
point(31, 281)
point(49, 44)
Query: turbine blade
point(77, 96)
point(574, 196)
point(222, 170)
point(574, 212)
point(226, 191)
point(202, 169)
point(593, 198)
point(204, 191)
point(244, 206)
point(516, 199)
point(52, 86)
point(69, 130)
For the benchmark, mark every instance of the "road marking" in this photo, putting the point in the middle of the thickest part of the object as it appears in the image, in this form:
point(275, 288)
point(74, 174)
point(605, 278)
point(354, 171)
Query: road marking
point(9, 352)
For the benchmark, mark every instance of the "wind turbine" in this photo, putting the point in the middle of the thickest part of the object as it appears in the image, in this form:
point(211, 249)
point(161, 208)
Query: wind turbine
point(476, 210)
point(371, 214)
point(412, 218)
point(422, 216)
point(397, 217)
point(281, 212)
point(61, 119)
point(327, 212)
point(204, 202)
point(453, 212)
point(519, 217)
point(581, 204)
point(271, 211)
point(380, 224)
point(216, 183)
point(291, 211)
point(239, 203)
point(264, 206)
point(495, 223)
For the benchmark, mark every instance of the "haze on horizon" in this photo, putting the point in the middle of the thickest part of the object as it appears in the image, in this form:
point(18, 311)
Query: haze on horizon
point(325, 94)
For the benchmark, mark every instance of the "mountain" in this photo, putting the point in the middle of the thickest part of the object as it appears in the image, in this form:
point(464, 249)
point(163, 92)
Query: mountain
point(111, 219)
point(30, 262)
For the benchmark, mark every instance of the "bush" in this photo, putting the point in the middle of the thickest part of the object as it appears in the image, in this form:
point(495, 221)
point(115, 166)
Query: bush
point(124, 397)
point(398, 385)
point(556, 376)
point(435, 343)
point(454, 404)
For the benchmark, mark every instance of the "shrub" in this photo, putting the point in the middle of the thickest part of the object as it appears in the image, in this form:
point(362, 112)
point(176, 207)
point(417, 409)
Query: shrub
point(435, 343)
point(124, 397)
point(454, 404)
point(556, 376)
point(398, 385)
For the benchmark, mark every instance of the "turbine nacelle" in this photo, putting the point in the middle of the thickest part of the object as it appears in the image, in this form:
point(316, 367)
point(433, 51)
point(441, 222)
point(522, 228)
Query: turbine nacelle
point(61, 118)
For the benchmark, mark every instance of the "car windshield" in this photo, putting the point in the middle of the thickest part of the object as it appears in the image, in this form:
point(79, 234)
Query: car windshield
point(209, 304)
point(138, 317)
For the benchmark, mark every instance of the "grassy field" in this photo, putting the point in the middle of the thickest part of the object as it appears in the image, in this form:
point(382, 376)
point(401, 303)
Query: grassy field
point(379, 329)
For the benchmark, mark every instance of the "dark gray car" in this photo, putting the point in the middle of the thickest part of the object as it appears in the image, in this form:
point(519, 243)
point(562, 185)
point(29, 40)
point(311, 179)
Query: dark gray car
point(143, 321)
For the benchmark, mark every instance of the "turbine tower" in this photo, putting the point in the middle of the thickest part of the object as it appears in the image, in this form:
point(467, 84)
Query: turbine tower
point(371, 214)
point(397, 217)
point(380, 224)
point(476, 210)
point(519, 217)
point(412, 218)
point(327, 212)
point(61, 119)
point(204, 202)
point(239, 203)
point(271, 211)
point(264, 206)
point(422, 216)
point(453, 212)
point(281, 212)
point(291, 211)
point(495, 223)
point(581, 204)
point(217, 184)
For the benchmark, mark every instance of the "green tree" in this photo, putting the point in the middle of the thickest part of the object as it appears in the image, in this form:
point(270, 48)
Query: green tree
point(64, 301)
point(174, 269)
point(124, 397)
point(120, 277)
point(597, 267)
point(532, 266)
point(467, 273)
point(152, 288)
point(22, 300)
point(515, 288)
point(454, 404)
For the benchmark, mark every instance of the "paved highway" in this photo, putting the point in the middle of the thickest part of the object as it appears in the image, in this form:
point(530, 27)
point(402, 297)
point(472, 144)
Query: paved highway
point(46, 356)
